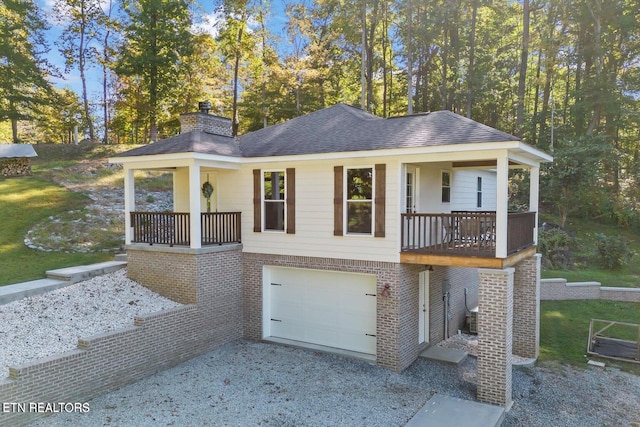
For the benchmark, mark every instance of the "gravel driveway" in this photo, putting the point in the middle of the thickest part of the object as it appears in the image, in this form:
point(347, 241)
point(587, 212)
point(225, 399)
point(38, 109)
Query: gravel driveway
point(259, 384)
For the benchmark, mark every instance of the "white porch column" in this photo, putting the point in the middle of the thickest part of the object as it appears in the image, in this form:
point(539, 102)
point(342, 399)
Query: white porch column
point(129, 203)
point(502, 205)
point(534, 195)
point(194, 206)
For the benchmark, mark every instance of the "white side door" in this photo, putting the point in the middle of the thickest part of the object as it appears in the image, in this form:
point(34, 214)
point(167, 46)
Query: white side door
point(423, 308)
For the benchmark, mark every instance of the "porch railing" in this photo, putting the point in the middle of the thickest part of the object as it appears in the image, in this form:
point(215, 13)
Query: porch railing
point(173, 228)
point(220, 227)
point(464, 233)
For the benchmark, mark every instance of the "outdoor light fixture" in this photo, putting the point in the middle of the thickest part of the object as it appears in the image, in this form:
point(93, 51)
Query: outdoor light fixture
point(386, 292)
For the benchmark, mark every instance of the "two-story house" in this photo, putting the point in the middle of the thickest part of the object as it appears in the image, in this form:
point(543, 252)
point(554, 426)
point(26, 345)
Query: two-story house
point(344, 231)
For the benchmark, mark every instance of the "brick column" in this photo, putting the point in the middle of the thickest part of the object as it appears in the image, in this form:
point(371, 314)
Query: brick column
point(526, 308)
point(495, 335)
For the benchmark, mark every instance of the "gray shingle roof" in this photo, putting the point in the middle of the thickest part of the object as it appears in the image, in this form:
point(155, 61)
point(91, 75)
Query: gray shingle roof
point(339, 128)
point(342, 128)
point(17, 150)
point(196, 141)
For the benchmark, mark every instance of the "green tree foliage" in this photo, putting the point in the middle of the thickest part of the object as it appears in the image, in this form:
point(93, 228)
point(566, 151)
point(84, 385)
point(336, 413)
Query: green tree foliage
point(573, 180)
point(56, 121)
point(570, 84)
point(156, 39)
point(24, 87)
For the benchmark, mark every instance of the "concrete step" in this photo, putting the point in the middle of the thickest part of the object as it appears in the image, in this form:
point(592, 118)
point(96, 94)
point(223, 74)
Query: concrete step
point(445, 411)
point(84, 272)
point(121, 257)
point(18, 291)
point(446, 355)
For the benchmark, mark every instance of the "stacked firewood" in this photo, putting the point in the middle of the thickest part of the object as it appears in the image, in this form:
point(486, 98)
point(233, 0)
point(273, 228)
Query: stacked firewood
point(15, 167)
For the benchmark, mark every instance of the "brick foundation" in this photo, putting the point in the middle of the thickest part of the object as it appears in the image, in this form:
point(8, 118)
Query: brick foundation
point(495, 336)
point(457, 279)
point(397, 315)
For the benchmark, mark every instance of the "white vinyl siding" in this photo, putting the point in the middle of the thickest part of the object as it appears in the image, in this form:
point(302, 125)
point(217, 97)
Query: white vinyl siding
point(464, 192)
point(314, 213)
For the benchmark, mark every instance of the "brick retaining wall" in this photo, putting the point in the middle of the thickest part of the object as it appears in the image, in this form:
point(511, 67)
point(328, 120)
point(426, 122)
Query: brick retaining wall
point(559, 289)
point(155, 341)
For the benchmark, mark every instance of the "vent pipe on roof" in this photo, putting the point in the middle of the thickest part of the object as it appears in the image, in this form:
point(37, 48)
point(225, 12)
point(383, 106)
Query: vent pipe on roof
point(204, 107)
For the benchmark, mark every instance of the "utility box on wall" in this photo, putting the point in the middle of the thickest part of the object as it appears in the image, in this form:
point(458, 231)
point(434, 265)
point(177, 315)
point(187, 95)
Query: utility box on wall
point(472, 321)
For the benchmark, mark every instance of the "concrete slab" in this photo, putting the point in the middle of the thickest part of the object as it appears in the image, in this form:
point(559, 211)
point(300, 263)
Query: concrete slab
point(18, 291)
point(445, 411)
point(84, 272)
point(446, 355)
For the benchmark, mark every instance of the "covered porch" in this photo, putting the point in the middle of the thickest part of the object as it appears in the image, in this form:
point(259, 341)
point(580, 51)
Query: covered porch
point(464, 238)
point(200, 216)
point(457, 208)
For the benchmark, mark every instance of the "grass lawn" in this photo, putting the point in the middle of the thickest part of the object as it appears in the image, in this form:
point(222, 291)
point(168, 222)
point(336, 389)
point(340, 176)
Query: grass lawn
point(586, 269)
point(564, 328)
point(25, 202)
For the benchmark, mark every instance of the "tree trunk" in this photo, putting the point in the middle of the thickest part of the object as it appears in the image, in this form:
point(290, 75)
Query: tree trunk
point(524, 54)
point(153, 85)
point(235, 124)
point(409, 59)
point(472, 49)
point(14, 131)
point(81, 69)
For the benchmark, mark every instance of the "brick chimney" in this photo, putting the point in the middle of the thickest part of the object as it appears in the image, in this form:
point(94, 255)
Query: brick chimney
point(204, 121)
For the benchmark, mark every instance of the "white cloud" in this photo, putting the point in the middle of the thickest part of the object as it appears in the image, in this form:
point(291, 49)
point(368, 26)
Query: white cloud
point(208, 23)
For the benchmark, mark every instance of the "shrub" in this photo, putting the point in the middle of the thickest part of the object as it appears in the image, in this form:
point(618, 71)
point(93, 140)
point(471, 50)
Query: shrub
point(612, 252)
point(555, 245)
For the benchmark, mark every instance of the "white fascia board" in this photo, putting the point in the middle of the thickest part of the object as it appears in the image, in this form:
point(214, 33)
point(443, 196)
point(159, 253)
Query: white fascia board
point(160, 161)
point(534, 155)
point(454, 152)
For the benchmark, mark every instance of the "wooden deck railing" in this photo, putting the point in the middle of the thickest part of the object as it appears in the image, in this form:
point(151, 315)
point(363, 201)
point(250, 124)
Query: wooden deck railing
point(173, 228)
point(220, 227)
point(520, 230)
point(464, 233)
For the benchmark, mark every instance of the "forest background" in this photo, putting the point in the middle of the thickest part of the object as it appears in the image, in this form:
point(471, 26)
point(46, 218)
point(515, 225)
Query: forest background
point(563, 75)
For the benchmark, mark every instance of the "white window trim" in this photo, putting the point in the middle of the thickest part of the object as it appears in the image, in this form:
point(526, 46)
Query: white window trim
point(263, 215)
point(479, 192)
point(345, 210)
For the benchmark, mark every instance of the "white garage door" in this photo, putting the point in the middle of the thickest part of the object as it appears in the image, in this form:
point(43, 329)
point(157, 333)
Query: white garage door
point(321, 307)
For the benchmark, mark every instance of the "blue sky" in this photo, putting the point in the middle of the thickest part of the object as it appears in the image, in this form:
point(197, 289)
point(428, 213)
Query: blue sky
point(206, 20)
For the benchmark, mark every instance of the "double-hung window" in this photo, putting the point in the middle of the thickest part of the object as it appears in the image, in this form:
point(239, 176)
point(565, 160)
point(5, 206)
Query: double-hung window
point(273, 184)
point(479, 193)
point(359, 200)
